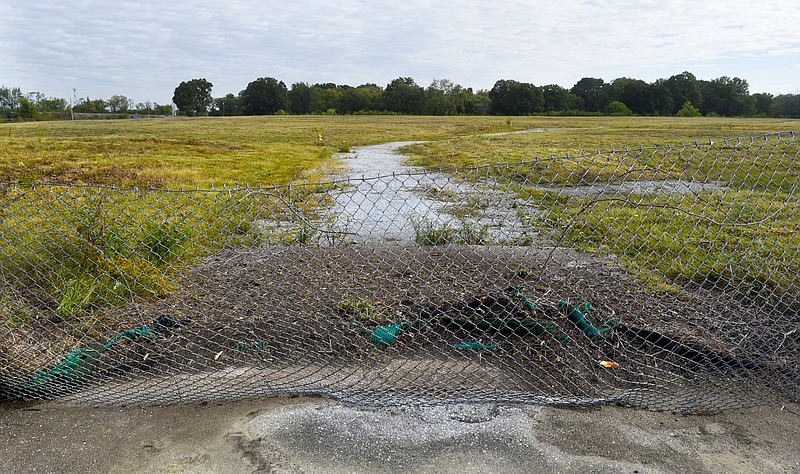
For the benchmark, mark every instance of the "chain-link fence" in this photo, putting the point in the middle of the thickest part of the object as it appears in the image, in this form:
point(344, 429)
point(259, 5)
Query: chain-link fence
point(663, 277)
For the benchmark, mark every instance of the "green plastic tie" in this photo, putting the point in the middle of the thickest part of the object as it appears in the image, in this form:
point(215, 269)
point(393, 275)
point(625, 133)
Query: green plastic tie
point(576, 315)
point(385, 335)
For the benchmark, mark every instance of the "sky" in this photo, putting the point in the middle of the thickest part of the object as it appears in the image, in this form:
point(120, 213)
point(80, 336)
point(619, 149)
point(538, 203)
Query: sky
point(144, 49)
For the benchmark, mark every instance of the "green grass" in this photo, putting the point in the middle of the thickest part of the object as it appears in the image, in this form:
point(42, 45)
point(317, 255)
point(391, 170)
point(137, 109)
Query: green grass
point(744, 241)
point(81, 250)
point(577, 136)
point(272, 150)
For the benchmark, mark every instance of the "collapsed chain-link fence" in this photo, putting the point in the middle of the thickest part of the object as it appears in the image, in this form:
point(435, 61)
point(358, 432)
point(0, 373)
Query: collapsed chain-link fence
point(664, 277)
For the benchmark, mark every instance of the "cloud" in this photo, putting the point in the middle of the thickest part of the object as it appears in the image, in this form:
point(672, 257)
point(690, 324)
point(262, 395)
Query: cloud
point(143, 49)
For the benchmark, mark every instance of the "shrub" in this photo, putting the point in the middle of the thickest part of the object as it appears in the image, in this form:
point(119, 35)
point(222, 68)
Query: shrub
point(617, 108)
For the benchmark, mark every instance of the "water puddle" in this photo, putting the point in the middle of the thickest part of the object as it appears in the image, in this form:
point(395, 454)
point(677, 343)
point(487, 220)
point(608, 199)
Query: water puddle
point(387, 200)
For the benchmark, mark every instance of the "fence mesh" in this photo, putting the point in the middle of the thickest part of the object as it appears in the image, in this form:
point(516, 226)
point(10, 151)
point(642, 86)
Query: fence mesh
point(662, 277)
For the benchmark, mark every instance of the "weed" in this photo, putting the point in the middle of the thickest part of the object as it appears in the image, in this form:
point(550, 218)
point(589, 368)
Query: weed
point(360, 308)
point(429, 232)
point(472, 233)
point(164, 242)
point(75, 295)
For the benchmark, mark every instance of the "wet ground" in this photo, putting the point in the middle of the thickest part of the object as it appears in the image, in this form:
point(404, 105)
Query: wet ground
point(298, 434)
point(387, 200)
point(288, 435)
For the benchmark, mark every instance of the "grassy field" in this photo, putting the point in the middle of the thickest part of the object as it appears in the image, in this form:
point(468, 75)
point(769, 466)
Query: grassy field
point(82, 249)
point(278, 149)
point(196, 152)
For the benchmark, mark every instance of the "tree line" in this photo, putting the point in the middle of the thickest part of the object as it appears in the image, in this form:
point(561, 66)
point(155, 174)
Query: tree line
point(14, 104)
point(682, 94)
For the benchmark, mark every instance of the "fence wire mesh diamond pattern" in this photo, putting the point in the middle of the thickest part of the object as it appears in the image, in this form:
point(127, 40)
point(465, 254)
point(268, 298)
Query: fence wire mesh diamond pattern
point(661, 277)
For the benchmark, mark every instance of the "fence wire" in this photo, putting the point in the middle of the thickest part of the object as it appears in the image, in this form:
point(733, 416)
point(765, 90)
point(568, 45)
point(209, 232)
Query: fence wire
point(662, 277)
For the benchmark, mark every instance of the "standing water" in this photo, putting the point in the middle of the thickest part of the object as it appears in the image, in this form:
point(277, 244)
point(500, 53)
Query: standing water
point(387, 200)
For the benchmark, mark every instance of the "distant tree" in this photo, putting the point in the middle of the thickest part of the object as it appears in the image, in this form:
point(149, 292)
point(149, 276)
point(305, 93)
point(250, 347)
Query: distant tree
point(683, 87)
point(226, 106)
point(593, 91)
point(511, 97)
point(444, 97)
point(265, 96)
point(89, 106)
point(52, 107)
point(144, 108)
point(300, 98)
point(9, 101)
point(726, 96)
point(617, 108)
point(642, 98)
point(785, 105)
point(165, 109)
point(119, 104)
point(480, 103)
point(364, 98)
point(558, 99)
point(27, 109)
point(404, 96)
point(435, 102)
point(762, 102)
point(688, 110)
point(326, 98)
point(193, 97)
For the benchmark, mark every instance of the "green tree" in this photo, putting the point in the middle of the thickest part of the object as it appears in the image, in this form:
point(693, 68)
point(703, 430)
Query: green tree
point(683, 87)
point(688, 110)
point(89, 106)
point(762, 103)
point(165, 109)
point(444, 97)
point(593, 91)
point(300, 98)
point(727, 96)
point(364, 98)
point(193, 97)
point(51, 106)
point(27, 109)
point(511, 97)
point(226, 106)
point(785, 105)
point(9, 101)
point(265, 96)
point(558, 99)
point(617, 108)
point(326, 98)
point(404, 96)
point(119, 104)
point(642, 98)
point(480, 103)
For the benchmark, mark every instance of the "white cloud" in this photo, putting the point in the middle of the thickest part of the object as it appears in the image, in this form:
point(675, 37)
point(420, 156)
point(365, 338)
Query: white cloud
point(144, 49)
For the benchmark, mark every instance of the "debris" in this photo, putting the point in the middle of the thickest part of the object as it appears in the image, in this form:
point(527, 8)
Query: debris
point(576, 315)
point(385, 335)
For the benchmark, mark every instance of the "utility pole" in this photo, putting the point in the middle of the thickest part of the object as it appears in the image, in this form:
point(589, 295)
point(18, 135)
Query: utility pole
point(74, 101)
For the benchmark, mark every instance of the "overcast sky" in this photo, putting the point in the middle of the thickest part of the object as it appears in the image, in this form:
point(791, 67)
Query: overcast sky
point(144, 49)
